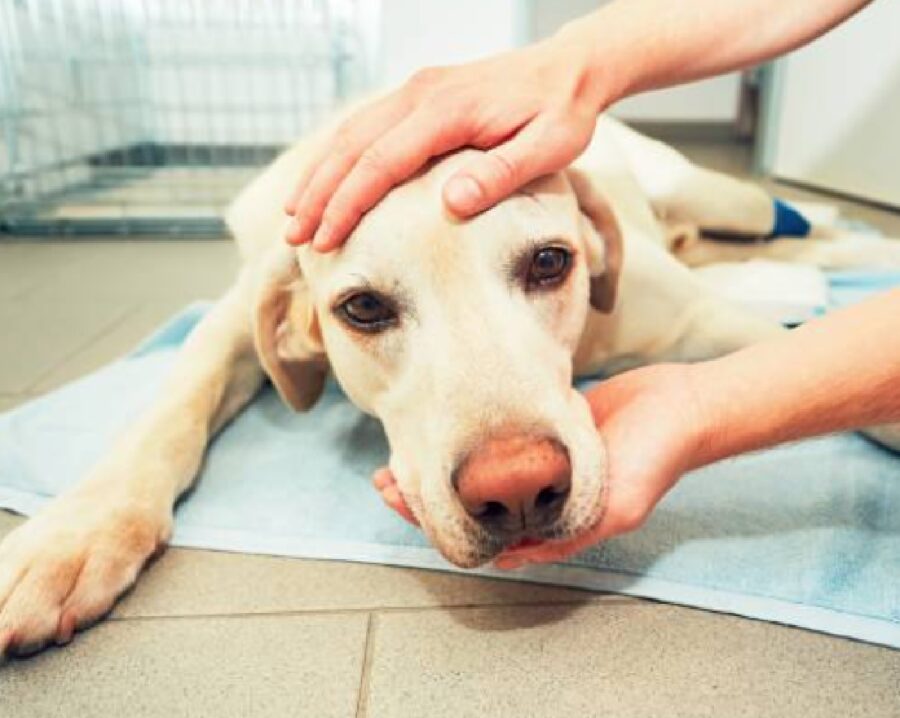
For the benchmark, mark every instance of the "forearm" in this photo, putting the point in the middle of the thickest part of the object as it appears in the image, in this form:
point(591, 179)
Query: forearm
point(638, 45)
point(837, 373)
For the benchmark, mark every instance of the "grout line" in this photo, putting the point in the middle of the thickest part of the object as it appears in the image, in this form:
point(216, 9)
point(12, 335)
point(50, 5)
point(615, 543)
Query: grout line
point(596, 601)
point(362, 700)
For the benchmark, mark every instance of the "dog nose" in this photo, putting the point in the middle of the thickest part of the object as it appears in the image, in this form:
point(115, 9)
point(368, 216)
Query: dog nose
point(515, 484)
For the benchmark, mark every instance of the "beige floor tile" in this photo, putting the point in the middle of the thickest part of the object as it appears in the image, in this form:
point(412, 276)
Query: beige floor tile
point(186, 582)
point(145, 269)
point(88, 302)
point(39, 336)
point(27, 264)
point(139, 321)
point(11, 401)
point(626, 661)
point(242, 667)
point(731, 157)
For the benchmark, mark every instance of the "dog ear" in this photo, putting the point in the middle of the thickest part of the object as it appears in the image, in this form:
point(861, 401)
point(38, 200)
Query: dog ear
point(286, 330)
point(602, 239)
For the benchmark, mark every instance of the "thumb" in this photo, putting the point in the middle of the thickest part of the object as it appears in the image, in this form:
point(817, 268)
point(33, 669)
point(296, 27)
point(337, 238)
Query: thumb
point(501, 171)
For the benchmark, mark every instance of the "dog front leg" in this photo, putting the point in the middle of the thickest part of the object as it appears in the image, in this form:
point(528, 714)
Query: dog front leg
point(65, 567)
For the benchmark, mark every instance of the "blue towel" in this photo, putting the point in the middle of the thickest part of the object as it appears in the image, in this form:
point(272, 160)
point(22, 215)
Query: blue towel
point(806, 534)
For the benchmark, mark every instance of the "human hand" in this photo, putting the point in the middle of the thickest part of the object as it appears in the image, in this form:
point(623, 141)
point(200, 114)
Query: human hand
point(652, 425)
point(533, 109)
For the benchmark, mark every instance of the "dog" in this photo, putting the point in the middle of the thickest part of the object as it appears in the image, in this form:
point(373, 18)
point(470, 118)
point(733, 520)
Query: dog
point(461, 337)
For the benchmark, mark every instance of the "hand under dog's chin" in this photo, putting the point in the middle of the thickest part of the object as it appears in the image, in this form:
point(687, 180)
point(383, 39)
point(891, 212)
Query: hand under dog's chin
point(478, 548)
point(483, 549)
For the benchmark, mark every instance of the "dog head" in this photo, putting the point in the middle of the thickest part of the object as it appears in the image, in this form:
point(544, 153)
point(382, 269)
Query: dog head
point(459, 337)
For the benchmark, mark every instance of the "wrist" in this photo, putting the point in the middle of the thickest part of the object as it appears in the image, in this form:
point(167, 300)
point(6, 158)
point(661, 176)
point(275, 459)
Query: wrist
point(735, 412)
point(712, 432)
point(600, 79)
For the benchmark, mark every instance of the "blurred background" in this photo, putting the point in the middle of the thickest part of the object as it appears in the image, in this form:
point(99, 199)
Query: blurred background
point(144, 118)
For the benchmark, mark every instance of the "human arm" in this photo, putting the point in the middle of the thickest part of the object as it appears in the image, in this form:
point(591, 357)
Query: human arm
point(836, 373)
point(534, 109)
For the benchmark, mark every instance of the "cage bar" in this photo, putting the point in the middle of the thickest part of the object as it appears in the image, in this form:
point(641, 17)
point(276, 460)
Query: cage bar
point(145, 118)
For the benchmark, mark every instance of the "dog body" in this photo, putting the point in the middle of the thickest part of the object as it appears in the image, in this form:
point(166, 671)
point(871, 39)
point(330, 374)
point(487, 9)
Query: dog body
point(461, 337)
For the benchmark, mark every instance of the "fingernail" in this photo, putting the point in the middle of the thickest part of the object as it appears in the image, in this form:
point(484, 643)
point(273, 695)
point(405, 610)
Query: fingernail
point(463, 194)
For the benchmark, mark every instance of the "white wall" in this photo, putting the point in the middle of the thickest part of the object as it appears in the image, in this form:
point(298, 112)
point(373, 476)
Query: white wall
point(713, 100)
point(836, 121)
point(415, 34)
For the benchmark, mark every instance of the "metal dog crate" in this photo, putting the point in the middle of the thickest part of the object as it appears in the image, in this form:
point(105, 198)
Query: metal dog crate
point(130, 117)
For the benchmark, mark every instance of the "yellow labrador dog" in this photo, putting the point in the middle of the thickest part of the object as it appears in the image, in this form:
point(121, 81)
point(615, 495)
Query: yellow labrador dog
point(461, 337)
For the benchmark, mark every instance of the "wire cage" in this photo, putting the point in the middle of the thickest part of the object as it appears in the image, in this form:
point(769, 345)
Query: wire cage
point(130, 117)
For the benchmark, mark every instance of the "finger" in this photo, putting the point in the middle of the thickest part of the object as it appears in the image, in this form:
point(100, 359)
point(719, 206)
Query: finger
point(391, 159)
point(335, 160)
point(553, 551)
point(392, 497)
point(382, 478)
point(509, 563)
point(541, 147)
point(309, 168)
point(326, 176)
point(545, 553)
point(364, 122)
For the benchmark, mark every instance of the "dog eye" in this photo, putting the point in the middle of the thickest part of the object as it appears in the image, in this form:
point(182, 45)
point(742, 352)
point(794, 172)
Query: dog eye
point(367, 311)
point(549, 266)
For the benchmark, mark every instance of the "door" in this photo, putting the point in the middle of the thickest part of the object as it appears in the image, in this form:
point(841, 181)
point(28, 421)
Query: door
point(833, 119)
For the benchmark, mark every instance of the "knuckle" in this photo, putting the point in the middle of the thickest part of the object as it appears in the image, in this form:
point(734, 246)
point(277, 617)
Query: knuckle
point(341, 217)
point(343, 142)
point(342, 134)
point(562, 133)
point(454, 115)
point(425, 79)
point(374, 161)
point(501, 170)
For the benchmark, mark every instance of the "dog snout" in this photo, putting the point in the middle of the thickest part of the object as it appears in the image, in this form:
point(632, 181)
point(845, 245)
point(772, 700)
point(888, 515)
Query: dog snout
point(515, 485)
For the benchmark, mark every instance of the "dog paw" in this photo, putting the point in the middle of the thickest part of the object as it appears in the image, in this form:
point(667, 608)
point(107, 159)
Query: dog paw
point(65, 568)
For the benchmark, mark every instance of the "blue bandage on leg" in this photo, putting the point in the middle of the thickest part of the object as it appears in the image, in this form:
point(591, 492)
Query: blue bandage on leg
point(789, 222)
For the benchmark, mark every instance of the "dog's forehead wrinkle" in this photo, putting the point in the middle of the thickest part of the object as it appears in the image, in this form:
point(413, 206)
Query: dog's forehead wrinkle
point(411, 228)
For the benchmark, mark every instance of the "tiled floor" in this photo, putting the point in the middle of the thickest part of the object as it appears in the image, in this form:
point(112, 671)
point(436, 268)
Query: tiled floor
point(218, 634)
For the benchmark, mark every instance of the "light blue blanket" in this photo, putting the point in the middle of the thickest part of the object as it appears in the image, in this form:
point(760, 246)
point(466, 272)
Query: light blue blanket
point(807, 534)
